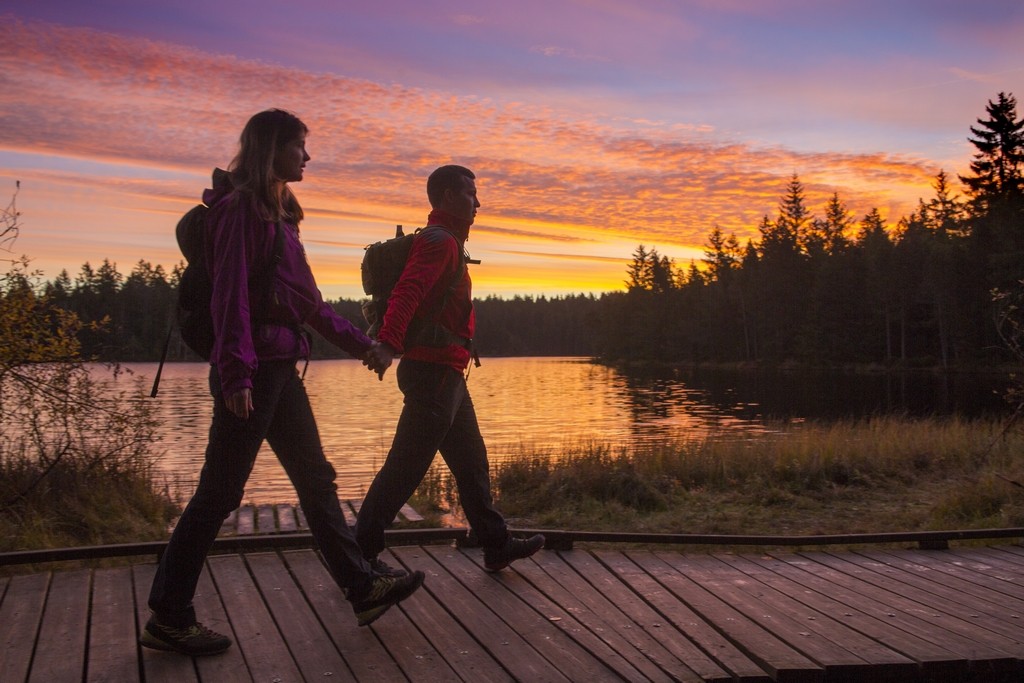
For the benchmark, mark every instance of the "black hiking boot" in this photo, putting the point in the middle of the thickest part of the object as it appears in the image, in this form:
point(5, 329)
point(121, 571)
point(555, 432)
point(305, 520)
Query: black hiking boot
point(384, 592)
point(496, 559)
point(194, 640)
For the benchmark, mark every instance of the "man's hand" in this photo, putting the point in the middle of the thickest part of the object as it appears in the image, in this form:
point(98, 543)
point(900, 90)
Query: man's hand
point(240, 403)
point(378, 358)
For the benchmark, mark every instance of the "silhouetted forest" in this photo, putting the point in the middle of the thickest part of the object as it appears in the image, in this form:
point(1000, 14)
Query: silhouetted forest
point(822, 289)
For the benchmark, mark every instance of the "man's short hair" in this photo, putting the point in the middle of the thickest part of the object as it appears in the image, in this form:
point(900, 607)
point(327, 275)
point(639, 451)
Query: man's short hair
point(446, 178)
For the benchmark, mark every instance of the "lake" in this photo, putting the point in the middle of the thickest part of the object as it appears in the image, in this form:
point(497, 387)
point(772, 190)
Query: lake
point(554, 404)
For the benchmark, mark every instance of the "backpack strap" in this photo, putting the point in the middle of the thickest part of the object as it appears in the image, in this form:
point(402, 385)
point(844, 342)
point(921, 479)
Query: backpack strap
point(426, 332)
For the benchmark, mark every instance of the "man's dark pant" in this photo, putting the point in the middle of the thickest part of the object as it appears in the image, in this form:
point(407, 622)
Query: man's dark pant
point(438, 415)
point(284, 418)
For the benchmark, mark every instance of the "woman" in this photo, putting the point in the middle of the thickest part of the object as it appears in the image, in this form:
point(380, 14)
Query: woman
point(256, 388)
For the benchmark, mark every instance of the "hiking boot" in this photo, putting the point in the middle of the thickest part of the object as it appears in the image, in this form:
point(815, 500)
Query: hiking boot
point(382, 568)
point(194, 640)
point(384, 592)
point(496, 559)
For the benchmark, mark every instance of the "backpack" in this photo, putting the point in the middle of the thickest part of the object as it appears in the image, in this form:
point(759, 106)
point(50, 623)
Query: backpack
point(195, 288)
point(192, 314)
point(383, 263)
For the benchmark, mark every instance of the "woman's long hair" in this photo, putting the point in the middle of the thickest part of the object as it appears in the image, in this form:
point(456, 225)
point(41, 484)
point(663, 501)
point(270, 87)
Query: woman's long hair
point(252, 169)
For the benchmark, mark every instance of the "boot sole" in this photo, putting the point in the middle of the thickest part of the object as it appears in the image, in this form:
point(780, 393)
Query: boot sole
point(153, 643)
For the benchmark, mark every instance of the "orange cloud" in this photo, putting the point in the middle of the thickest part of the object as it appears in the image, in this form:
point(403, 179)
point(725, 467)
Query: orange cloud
point(160, 116)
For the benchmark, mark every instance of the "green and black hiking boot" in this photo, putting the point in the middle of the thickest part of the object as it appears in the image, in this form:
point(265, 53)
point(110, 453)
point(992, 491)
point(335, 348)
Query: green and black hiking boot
point(194, 640)
point(384, 592)
point(496, 559)
point(382, 568)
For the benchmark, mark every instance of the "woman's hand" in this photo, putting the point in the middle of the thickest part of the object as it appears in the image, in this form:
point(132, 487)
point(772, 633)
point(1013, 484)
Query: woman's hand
point(378, 358)
point(240, 403)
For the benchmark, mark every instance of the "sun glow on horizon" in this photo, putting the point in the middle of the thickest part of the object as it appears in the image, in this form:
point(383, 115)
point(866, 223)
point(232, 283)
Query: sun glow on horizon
point(111, 151)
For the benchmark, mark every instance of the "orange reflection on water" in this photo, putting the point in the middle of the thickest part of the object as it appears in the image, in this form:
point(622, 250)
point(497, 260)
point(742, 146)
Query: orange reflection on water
point(545, 405)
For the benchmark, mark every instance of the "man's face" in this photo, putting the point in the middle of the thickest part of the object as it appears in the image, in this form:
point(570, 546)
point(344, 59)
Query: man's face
point(462, 202)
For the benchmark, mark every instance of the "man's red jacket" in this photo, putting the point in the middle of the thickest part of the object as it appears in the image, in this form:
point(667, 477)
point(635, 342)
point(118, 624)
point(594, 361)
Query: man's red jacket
point(424, 291)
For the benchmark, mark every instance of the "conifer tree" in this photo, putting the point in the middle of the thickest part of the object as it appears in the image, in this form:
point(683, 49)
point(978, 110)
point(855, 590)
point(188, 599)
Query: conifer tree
point(998, 165)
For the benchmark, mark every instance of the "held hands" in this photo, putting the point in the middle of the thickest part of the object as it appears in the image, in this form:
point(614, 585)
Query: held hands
point(378, 358)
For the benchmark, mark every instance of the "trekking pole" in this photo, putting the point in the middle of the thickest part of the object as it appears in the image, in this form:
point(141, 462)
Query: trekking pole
point(163, 357)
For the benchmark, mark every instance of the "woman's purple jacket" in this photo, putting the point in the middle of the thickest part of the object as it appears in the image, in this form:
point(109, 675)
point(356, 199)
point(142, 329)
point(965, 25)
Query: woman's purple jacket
point(255, 319)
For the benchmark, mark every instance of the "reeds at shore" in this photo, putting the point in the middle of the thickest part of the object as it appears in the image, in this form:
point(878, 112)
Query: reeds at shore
point(880, 474)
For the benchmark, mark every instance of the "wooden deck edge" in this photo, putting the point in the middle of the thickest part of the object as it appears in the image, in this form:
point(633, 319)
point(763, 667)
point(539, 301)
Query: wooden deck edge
point(555, 539)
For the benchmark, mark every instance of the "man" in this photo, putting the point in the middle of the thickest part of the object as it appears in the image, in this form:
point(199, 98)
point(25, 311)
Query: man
point(430, 320)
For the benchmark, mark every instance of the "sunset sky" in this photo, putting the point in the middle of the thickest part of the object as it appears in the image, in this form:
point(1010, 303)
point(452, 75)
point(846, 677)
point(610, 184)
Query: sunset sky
point(593, 125)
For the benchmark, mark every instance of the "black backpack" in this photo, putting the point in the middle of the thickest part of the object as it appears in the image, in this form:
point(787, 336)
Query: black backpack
point(195, 289)
point(382, 266)
point(192, 314)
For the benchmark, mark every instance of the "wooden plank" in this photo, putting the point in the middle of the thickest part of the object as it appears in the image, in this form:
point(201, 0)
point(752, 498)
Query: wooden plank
point(1002, 565)
point(60, 650)
point(1017, 551)
point(924, 564)
point(230, 525)
point(824, 598)
point(410, 514)
point(571, 610)
point(246, 523)
point(974, 560)
point(257, 636)
point(868, 616)
point(625, 661)
point(845, 652)
point(964, 599)
point(112, 655)
point(360, 647)
point(619, 603)
point(476, 615)
point(356, 505)
point(513, 600)
point(21, 614)
point(774, 655)
point(737, 644)
point(463, 653)
point(899, 611)
point(761, 605)
point(307, 641)
point(954, 564)
point(996, 646)
point(661, 606)
point(300, 518)
point(266, 523)
point(351, 511)
point(286, 519)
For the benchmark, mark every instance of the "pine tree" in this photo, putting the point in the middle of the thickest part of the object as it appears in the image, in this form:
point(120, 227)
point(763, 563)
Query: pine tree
point(998, 165)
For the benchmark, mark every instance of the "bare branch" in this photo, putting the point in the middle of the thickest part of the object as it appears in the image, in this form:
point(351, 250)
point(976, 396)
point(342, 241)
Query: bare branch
point(9, 220)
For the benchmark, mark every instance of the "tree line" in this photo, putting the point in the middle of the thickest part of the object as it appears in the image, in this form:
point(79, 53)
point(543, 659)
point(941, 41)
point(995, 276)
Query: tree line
point(831, 290)
point(131, 317)
point(828, 289)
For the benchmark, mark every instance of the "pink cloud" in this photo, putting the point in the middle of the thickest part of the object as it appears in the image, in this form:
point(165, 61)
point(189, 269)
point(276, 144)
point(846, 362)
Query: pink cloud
point(546, 176)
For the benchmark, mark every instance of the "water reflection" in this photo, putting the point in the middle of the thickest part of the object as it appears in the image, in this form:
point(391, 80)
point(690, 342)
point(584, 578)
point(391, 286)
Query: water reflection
point(548, 403)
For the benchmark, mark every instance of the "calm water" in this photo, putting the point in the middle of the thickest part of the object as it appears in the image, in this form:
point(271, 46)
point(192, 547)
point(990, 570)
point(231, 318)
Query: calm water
point(552, 403)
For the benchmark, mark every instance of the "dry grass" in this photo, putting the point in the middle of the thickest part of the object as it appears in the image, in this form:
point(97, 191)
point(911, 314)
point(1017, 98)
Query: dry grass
point(875, 475)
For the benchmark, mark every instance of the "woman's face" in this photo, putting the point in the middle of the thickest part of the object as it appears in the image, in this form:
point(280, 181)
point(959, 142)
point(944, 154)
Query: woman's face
point(290, 160)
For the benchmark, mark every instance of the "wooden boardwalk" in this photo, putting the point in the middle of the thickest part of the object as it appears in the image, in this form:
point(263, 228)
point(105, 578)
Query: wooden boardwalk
point(597, 614)
point(288, 517)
